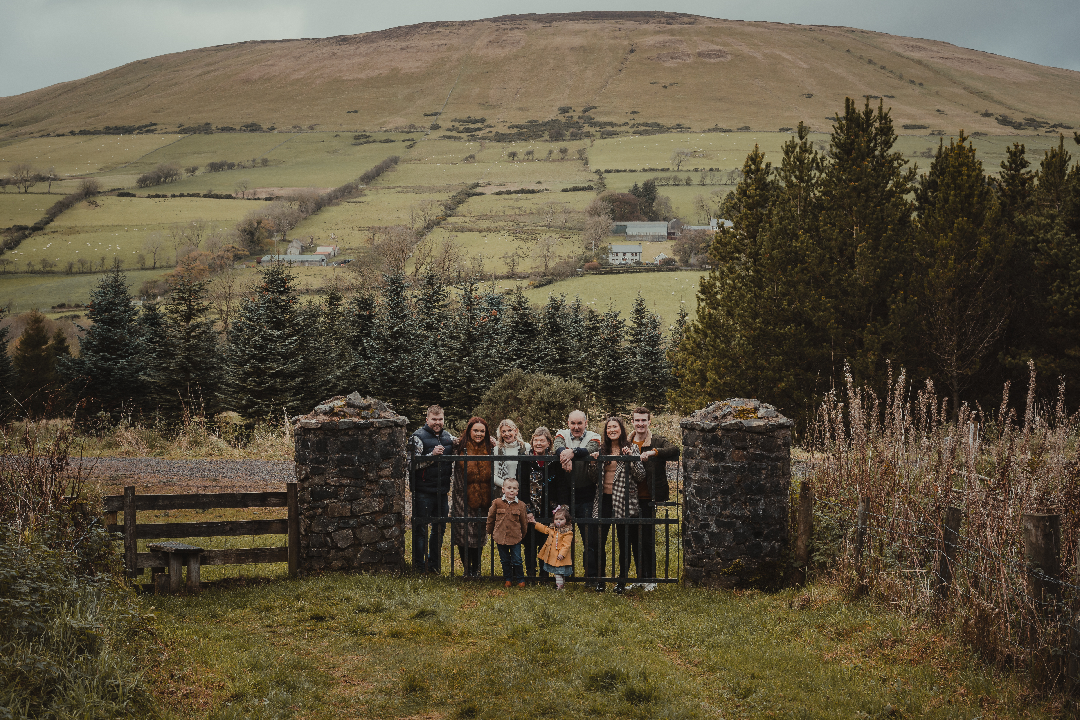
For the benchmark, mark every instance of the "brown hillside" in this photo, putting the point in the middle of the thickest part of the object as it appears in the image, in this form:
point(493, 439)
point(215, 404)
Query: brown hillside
point(669, 67)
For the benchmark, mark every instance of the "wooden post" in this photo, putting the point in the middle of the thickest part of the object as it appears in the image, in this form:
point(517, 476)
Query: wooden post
point(193, 572)
point(176, 571)
point(950, 540)
point(131, 546)
point(1074, 654)
point(1042, 555)
point(805, 531)
point(860, 530)
point(294, 530)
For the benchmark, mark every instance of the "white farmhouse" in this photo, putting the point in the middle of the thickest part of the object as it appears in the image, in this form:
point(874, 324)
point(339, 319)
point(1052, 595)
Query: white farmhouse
point(624, 254)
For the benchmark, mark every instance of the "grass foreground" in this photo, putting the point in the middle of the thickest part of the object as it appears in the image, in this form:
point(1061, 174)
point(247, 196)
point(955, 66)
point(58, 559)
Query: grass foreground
point(352, 646)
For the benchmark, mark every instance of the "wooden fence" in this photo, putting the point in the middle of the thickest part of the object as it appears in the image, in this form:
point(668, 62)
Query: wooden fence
point(135, 562)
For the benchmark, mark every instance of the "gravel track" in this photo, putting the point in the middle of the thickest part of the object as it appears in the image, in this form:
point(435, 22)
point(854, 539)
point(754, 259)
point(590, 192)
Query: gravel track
point(194, 474)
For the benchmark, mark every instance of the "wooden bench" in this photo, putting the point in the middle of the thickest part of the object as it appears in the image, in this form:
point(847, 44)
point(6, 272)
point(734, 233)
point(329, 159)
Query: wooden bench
point(178, 555)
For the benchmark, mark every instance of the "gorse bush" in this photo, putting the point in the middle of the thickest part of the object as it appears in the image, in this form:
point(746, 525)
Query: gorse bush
point(531, 400)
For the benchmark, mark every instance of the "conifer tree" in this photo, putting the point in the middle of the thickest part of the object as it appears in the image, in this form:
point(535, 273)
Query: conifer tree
point(432, 324)
point(963, 255)
point(192, 372)
point(34, 361)
point(556, 349)
point(156, 351)
point(866, 244)
point(7, 372)
point(264, 362)
point(647, 367)
point(466, 376)
point(361, 331)
point(106, 375)
point(522, 334)
point(607, 362)
point(399, 347)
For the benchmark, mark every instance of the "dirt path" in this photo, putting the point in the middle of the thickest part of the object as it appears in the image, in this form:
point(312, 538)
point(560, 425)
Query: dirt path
point(189, 476)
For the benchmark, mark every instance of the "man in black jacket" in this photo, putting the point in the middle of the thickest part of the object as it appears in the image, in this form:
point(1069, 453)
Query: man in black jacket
point(653, 488)
point(430, 483)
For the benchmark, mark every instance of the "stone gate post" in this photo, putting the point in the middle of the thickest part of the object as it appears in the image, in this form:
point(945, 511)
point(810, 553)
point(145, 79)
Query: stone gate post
point(350, 473)
point(737, 470)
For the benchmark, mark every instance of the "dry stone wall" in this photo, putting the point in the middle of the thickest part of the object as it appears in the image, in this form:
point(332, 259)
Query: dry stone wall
point(350, 472)
point(737, 470)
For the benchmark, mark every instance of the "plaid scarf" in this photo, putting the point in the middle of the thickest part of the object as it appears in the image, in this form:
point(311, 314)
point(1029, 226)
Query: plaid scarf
point(624, 501)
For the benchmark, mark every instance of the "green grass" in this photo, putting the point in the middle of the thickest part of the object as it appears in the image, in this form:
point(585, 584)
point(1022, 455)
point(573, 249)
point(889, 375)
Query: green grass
point(24, 208)
point(664, 293)
point(82, 155)
point(345, 645)
point(24, 292)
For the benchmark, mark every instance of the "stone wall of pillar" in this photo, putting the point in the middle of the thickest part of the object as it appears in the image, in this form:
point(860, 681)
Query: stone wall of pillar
point(350, 472)
point(737, 470)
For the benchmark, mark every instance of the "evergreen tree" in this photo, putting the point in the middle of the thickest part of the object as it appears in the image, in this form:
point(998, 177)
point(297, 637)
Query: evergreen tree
point(7, 372)
point(522, 334)
point(399, 345)
point(466, 376)
point(647, 368)
point(866, 253)
point(963, 255)
point(607, 363)
point(432, 323)
point(34, 361)
point(107, 375)
point(264, 361)
point(156, 351)
point(193, 370)
point(556, 350)
point(362, 334)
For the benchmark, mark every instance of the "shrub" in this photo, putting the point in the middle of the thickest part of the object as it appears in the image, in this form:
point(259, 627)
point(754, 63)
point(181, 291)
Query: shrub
point(531, 400)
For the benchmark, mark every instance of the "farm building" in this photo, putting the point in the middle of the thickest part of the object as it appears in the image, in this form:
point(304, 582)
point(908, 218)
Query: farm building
point(642, 231)
point(327, 250)
point(714, 225)
point(624, 254)
point(294, 259)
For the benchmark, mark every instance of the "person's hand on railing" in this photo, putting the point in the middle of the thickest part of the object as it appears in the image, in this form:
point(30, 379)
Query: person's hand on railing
point(438, 450)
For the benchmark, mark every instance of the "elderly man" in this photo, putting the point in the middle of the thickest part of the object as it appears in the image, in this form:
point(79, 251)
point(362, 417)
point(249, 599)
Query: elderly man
point(653, 488)
point(574, 445)
point(430, 483)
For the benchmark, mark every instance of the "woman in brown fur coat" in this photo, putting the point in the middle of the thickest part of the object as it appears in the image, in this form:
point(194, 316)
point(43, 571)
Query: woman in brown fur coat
point(472, 494)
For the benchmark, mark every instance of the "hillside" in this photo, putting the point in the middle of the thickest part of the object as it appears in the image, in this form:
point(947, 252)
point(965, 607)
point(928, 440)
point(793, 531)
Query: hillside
point(647, 67)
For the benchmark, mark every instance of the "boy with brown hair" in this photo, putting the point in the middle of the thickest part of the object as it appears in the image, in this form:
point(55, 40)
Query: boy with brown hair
point(506, 523)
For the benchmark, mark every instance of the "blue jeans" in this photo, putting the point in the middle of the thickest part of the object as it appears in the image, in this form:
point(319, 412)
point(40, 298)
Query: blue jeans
point(427, 552)
point(510, 556)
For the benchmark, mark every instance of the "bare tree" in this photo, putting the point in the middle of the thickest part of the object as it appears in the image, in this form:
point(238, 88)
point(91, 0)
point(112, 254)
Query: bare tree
point(512, 154)
point(50, 177)
point(153, 246)
point(546, 253)
point(441, 257)
point(597, 228)
point(24, 176)
point(394, 244)
point(223, 290)
point(242, 188)
point(678, 157)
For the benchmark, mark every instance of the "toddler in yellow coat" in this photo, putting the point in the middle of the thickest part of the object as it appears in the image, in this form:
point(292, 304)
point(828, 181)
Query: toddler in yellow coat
point(557, 555)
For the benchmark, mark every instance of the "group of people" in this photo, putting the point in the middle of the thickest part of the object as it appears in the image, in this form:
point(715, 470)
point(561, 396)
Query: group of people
point(527, 502)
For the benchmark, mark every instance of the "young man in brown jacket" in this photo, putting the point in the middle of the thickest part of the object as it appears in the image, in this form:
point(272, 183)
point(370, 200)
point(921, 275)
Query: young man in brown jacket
point(506, 523)
point(653, 488)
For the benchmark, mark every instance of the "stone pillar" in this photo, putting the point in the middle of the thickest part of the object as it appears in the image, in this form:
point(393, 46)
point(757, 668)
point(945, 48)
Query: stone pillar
point(350, 473)
point(737, 470)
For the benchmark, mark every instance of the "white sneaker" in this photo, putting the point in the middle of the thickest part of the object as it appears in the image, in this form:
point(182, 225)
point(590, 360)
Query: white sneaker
point(649, 587)
point(631, 586)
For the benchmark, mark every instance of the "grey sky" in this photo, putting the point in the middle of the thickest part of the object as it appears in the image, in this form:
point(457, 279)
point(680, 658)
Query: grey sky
point(43, 42)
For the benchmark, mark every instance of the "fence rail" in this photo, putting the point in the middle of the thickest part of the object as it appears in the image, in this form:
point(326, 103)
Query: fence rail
point(639, 530)
point(136, 562)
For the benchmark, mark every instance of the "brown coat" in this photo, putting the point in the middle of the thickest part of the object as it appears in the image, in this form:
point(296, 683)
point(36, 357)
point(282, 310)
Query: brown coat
point(507, 522)
point(472, 495)
point(559, 541)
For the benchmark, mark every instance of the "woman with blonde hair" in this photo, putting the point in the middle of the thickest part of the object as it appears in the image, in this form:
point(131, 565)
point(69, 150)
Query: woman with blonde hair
point(508, 442)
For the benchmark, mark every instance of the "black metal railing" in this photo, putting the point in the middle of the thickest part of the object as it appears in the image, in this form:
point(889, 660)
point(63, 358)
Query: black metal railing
point(635, 536)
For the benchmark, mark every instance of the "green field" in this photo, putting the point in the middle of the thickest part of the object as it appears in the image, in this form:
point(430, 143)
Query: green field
point(22, 292)
point(485, 229)
point(664, 292)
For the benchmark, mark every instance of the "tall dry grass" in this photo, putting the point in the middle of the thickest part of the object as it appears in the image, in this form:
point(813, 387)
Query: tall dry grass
point(913, 461)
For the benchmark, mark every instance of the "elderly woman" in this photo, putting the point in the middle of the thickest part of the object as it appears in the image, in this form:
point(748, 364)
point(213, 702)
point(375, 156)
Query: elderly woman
point(534, 481)
point(472, 493)
point(619, 498)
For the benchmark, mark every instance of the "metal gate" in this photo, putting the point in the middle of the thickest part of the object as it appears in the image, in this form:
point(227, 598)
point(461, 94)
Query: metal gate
point(645, 549)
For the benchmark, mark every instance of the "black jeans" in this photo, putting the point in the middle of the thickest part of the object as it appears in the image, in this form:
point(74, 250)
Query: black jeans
point(589, 534)
point(427, 551)
point(643, 542)
point(529, 544)
point(622, 533)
